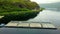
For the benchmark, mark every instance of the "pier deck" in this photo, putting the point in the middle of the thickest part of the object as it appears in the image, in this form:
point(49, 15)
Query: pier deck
point(30, 25)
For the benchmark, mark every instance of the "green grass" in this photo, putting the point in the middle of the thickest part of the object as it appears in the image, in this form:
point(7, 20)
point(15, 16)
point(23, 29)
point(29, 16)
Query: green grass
point(17, 6)
point(20, 3)
point(18, 10)
point(18, 16)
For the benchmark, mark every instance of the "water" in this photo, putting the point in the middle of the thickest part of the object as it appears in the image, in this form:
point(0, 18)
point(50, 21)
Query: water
point(44, 16)
point(48, 16)
point(27, 31)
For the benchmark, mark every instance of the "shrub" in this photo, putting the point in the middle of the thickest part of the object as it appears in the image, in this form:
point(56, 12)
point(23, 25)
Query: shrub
point(23, 16)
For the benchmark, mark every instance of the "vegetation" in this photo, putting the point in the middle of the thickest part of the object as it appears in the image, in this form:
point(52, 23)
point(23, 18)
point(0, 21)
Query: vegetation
point(19, 3)
point(18, 10)
point(42, 9)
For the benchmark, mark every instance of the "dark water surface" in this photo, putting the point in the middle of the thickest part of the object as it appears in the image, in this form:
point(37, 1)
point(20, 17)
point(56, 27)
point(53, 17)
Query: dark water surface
point(45, 16)
point(27, 31)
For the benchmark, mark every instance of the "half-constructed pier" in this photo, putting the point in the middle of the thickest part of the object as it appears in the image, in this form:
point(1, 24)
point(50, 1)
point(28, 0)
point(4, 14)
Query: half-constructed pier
point(1, 17)
point(21, 24)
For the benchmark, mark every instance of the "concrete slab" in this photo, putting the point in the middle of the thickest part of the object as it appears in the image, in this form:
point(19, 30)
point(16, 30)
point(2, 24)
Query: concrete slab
point(47, 25)
point(23, 25)
point(35, 25)
point(50, 25)
point(1, 16)
point(44, 25)
point(11, 24)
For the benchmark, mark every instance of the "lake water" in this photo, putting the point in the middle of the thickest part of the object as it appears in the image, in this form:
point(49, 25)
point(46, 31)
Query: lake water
point(48, 16)
point(44, 16)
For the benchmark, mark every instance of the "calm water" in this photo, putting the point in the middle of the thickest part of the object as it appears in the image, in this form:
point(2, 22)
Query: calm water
point(48, 16)
point(45, 16)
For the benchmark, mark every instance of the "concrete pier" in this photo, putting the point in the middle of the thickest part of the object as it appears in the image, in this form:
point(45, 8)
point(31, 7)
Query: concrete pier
point(30, 25)
point(1, 17)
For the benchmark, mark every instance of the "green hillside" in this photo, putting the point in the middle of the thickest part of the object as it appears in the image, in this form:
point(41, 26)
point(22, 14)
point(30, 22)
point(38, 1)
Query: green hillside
point(18, 10)
point(19, 3)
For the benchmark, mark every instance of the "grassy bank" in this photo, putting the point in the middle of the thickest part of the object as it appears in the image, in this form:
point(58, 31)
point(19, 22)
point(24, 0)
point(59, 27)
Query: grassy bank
point(20, 10)
point(18, 15)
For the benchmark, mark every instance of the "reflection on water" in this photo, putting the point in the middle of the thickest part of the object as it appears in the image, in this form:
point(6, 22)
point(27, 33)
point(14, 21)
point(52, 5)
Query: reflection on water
point(48, 16)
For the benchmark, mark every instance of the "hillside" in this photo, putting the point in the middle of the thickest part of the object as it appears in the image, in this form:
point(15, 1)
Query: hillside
point(20, 10)
point(19, 3)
